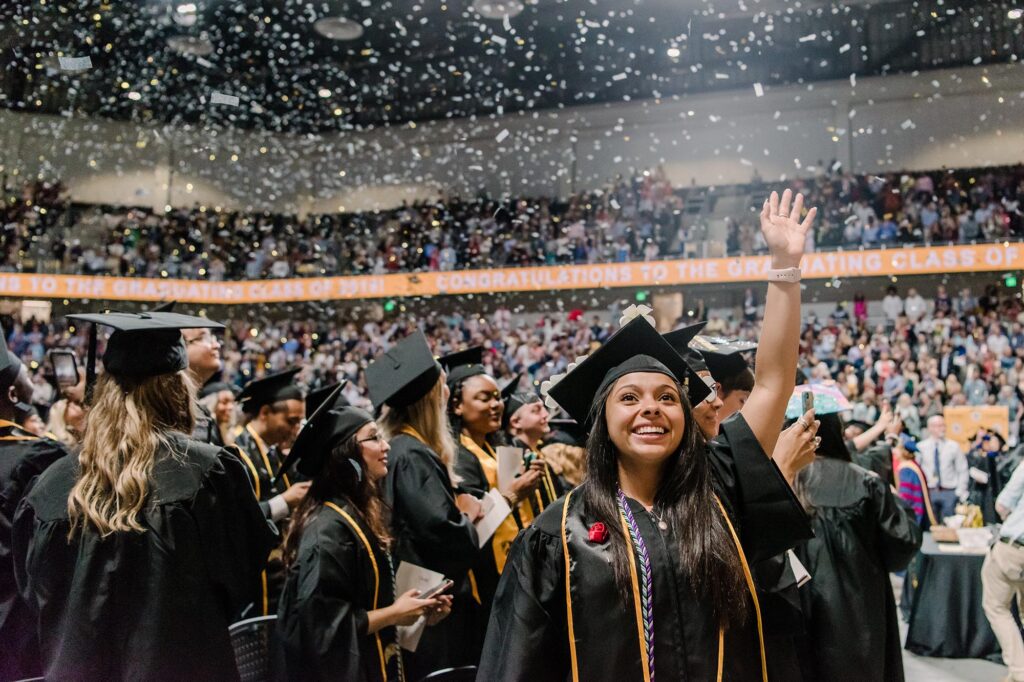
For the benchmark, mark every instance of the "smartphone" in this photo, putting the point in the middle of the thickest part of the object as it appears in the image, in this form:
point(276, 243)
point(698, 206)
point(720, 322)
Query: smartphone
point(434, 591)
point(65, 367)
point(807, 399)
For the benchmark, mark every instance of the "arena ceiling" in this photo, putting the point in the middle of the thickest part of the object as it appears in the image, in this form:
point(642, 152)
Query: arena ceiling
point(266, 64)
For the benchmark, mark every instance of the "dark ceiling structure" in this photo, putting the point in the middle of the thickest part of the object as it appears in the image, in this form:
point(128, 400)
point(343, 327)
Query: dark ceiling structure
point(186, 61)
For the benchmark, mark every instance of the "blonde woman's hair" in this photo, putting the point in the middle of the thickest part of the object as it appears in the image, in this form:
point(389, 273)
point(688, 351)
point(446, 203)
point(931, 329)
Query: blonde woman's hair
point(128, 421)
point(429, 417)
point(58, 426)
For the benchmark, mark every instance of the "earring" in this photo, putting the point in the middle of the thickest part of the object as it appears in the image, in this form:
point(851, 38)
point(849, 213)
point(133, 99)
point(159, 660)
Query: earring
point(359, 470)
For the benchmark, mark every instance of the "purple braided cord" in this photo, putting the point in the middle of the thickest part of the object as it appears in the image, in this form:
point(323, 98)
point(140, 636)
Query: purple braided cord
point(647, 585)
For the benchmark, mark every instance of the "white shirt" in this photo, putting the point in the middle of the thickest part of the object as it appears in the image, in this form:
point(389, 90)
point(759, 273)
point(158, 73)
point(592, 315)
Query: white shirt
point(916, 307)
point(952, 464)
point(893, 306)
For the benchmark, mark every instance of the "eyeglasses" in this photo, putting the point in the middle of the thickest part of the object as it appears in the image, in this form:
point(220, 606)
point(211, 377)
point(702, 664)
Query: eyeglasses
point(379, 437)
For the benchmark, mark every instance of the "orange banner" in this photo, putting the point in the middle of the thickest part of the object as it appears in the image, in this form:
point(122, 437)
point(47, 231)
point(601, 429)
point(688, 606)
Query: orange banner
point(963, 422)
point(875, 263)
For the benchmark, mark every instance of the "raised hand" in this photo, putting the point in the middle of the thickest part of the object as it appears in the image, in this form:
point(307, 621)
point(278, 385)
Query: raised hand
point(783, 231)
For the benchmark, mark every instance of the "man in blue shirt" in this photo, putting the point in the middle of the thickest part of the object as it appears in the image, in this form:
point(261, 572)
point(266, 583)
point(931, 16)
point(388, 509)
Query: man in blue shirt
point(1002, 575)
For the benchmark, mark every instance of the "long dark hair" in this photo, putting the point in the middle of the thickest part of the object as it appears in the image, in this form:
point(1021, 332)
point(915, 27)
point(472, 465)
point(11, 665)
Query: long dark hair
point(704, 545)
point(338, 479)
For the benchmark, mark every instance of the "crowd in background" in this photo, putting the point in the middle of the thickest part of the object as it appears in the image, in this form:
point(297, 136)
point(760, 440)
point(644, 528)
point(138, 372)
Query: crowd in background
point(631, 219)
point(915, 358)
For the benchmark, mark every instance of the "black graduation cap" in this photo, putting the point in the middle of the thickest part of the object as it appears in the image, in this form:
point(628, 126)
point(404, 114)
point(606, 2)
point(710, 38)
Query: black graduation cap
point(566, 432)
point(404, 374)
point(23, 411)
point(329, 425)
point(514, 399)
point(143, 344)
point(212, 387)
point(7, 361)
point(680, 338)
point(724, 358)
point(269, 390)
point(470, 356)
point(316, 398)
point(636, 347)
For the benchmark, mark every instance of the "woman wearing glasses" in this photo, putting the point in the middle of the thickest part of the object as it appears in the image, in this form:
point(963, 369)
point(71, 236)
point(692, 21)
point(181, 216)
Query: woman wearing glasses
point(338, 610)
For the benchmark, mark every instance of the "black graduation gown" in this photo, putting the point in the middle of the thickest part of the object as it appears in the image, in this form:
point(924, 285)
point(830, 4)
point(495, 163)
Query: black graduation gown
point(429, 530)
point(329, 589)
point(144, 606)
point(206, 429)
point(862, 532)
point(528, 637)
point(23, 456)
point(262, 463)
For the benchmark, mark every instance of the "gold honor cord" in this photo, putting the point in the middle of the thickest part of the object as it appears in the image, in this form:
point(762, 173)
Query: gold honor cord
point(376, 578)
point(636, 599)
point(262, 447)
point(568, 592)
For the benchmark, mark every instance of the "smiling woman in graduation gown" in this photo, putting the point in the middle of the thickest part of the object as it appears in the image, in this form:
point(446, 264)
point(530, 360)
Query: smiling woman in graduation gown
point(139, 582)
point(338, 610)
point(429, 527)
point(618, 581)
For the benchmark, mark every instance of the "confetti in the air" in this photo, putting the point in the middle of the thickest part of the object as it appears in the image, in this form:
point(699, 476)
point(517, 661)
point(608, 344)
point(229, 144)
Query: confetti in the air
point(501, 136)
point(758, 90)
point(75, 63)
point(221, 98)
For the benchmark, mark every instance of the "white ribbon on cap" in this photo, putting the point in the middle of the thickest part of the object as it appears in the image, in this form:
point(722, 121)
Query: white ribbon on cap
point(628, 315)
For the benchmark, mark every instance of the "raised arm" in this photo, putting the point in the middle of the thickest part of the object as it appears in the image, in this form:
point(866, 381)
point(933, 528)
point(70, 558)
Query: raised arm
point(779, 345)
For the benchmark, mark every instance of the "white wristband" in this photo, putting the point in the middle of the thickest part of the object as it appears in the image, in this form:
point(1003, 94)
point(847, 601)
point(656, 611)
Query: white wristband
point(785, 275)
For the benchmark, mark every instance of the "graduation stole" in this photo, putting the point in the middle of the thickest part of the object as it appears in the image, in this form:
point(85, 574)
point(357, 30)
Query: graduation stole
point(4, 424)
point(926, 496)
point(549, 485)
point(644, 609)
point(376, 588)
point(507, 531)
point(262, 447)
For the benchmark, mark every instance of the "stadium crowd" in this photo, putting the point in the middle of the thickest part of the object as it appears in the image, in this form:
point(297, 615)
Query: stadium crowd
point(631, 219)
point(913, 357)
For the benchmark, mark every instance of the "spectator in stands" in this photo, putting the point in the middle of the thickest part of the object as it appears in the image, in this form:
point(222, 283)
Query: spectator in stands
point(892, 304)
point(915, 307)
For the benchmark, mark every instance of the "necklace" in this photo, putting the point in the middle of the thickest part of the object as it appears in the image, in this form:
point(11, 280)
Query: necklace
point(660, 518)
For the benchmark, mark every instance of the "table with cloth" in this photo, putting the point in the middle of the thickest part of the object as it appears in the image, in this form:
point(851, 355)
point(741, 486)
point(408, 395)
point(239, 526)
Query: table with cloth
point(943, 592)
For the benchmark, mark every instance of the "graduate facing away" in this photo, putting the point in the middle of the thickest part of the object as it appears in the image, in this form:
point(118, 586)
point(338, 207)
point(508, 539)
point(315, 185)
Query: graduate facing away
point(643, 572)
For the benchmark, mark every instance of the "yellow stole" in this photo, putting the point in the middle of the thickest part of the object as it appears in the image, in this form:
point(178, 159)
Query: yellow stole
point(508, 530)
point(4, 424)
point(546, 481)
point(376, 579)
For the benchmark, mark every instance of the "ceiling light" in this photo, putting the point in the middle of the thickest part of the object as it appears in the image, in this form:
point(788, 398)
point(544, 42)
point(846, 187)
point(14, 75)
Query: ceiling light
point(324, 92)
point(338, 28)
point(498, 9)
point(1015, 13)
point(673, 52)
point(190, 45)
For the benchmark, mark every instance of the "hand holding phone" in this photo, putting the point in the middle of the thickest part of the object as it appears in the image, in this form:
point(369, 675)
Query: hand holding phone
point(434, 591)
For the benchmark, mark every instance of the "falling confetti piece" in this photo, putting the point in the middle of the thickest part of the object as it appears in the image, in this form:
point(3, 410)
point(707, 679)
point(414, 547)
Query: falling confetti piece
point(221, 98)
point(501, 136)
point(758, 90)
point(75, 63)
point(808, 38)
point(907, 125)
point(844, 48)
point(619, 77)
point(498, 40)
